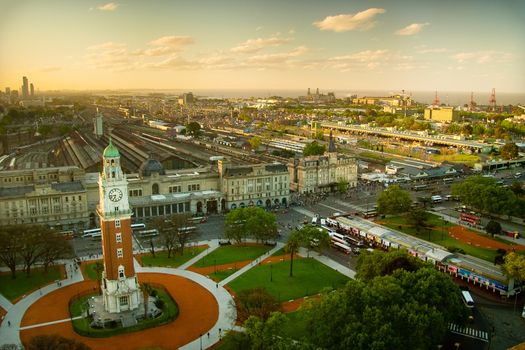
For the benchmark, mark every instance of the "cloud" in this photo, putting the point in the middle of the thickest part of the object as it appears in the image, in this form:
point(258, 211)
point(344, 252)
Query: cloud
point(173, 62)
point(482, 57)
point(412, 29)
point(110, 6)
point(434, 50)
point(172, 41)
point(258, 28)
point(341, 23)
point(372, 59)
point(254, 45)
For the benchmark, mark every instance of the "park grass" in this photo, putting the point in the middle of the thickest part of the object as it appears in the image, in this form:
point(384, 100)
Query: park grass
point(309, 278)
point(232, 254)
point(89, 269)
point(23, 284)
point(161, 257)
point(439, 236)
point(468, 159)
point(280, 252)
point(82, 325)
point(222, 274)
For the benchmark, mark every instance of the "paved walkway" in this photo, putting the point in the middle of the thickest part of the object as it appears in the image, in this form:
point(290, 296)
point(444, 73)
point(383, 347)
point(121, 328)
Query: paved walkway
point(10, 334)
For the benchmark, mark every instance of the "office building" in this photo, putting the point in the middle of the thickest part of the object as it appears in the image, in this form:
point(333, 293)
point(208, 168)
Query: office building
point(25, 88)
point(441, 114)
point(32, 89)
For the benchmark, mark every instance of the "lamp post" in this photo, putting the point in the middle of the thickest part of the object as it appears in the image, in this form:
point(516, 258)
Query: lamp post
point(200, 339)
point(215, 265)
point(271, 273)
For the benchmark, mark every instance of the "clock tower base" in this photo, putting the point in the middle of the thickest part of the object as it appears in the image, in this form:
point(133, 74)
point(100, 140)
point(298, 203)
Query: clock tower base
point(120, 295)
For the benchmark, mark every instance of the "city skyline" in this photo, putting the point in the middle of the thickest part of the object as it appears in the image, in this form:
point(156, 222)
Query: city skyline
point(333, 45)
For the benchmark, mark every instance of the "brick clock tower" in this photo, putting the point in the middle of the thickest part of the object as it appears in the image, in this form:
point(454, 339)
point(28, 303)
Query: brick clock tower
point(120, 288)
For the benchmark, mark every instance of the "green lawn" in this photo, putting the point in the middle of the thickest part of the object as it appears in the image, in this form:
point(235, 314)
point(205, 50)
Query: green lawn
point(280, 252)
point(309, 277)
point(81, 326)
point(232, 253)
point(23, 284)
point(90, 271)
point(439, 236)
point(161, 257)
point(220, 275)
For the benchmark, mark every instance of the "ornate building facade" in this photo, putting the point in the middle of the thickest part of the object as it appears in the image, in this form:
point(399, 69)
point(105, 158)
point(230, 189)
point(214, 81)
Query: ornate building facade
point(322, 173)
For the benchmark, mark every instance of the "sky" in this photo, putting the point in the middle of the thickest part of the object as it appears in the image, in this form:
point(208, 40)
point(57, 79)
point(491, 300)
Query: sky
point(444, 45)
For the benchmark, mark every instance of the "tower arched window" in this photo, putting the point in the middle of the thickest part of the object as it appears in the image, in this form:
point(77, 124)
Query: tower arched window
point(121, 271)
point(112, 174)
point(155, 189)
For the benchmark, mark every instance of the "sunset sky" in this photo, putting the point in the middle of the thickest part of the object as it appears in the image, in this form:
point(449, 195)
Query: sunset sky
point(334, 44)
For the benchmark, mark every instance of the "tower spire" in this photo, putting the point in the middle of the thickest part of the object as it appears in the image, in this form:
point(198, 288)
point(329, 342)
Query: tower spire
point(331, 144)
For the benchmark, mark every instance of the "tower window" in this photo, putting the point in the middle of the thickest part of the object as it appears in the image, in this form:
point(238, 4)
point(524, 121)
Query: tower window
point(118, 237)
point(120, 253)
point(117, 222)
point(121, 271)
point(123, 301)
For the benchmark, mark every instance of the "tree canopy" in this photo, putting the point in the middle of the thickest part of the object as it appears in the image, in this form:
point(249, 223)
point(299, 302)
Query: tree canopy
point(397, 302)
point(394, 200)
point(514, 266)
point(193, 129)
point(493, 228)
point(483, 194)
point(509, 151)
point(314, 149)
point(255, 222)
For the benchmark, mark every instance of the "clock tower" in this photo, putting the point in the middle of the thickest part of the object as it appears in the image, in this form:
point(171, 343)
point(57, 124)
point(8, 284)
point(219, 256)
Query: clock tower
point(120, 288)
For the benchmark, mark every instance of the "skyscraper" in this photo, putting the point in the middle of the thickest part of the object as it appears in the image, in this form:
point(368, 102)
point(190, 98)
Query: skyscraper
point(32, 88)
point(25, 88)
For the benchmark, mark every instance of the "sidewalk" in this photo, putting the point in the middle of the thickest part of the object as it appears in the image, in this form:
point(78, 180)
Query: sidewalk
point(11, 334)
point(329, 262)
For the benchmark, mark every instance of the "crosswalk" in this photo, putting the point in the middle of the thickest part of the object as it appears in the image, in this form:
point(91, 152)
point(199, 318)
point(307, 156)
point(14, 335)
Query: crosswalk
point(348, 205)
point(469, 332)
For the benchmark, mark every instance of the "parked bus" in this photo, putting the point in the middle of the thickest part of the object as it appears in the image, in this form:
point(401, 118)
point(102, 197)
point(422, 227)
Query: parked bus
point(68, 234)
point(187, 229)
point(342, 247)
point(448, 180)
point(198, 219)
point(92, 233)
point(420, 187)
point(436, 199)
point(139, 226)
point(467, 299)
point(369, 213)
point(148, 233)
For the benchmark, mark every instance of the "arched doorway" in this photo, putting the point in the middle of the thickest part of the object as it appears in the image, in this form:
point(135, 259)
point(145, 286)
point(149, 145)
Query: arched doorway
point(268, 203)
point(276, 201)
point(242, 205)
point(259, 203)
point(199, 207)
point(234, 206)
point(223, 204)
point(250, 203)
point(211, 206)
point(155, 189)
point(284, 202)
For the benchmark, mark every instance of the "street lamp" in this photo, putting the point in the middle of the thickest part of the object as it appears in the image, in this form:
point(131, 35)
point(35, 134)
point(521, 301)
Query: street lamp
point(271, 273)
point(200, 338)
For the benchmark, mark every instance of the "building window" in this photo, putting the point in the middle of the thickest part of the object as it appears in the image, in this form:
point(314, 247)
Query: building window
point(120, 253)
point(155, 189)
point(121, 271)
point(123, 301)
point(117, 221)
point(118, 237)
point(175, 189)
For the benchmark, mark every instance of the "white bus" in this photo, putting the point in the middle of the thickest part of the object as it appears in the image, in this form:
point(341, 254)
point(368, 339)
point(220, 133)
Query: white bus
point(187, 229)
point(139, 226)
point(436, 199)
point(148, 233)
point(92, 233)
point(342, 247)
point(467, 299)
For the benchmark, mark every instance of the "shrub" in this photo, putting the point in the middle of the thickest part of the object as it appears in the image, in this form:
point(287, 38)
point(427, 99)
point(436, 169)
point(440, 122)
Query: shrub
point(159, 303)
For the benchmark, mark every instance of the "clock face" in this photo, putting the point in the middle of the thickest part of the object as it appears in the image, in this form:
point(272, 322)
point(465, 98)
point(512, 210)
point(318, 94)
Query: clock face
point(115, 195)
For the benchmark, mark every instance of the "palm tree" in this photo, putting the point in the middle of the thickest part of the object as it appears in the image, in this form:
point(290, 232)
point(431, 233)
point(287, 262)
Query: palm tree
point(292, 247)
point(146, 291)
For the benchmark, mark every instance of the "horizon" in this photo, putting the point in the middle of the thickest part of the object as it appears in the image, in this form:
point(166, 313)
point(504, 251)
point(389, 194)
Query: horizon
point(336, 46)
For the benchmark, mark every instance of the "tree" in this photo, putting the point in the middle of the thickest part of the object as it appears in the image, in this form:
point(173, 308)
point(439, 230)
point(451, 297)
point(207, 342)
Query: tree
point(255, 142)
point(10, 246)
point(390, 308)
point(517, 188)
point(45, 130)
point(33, 239)
point(252, 221)
point(493, 228)
point(378, 264)
point(394, 200)
point(193, 129)
point(313, 238)
point(292, 247)
point(146, 292)
point(55, 341)
point(167, 233)
point(418, 218)
point(509, 151)
point(342, 185)
point(424, 201)
point(267, 334)
point(181, 221)
point(55, 246)
point(99, 268)
point(514, 266)
point(314, 149)
point(255, 302)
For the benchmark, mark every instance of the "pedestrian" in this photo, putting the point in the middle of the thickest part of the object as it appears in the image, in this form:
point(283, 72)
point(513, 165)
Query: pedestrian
point(216, 285)
point(208, 335)
point(9, 324)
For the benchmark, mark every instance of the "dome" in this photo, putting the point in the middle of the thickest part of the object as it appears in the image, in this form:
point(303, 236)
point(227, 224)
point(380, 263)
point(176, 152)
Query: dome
point(111, 151)
point(151, 166)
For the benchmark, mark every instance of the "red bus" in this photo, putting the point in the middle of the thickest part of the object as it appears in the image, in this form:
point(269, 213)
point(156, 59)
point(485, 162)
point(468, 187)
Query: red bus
point(470, 218)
